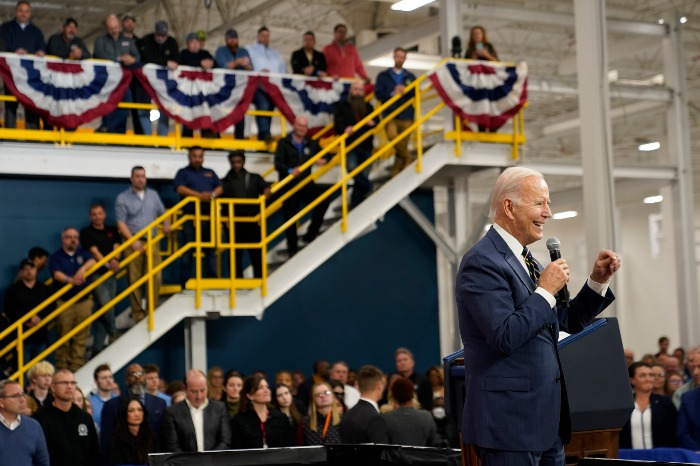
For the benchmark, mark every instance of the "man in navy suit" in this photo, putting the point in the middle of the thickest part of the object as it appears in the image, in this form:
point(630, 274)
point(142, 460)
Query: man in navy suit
point(363, 423)
point(688, 427)
point(135, 388)
point(515, 409)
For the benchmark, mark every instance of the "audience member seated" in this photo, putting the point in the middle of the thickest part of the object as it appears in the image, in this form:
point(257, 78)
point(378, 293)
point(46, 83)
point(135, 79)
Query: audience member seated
point(437, 381)
point(153, 382)
point(293, 151)
point(673, 382)
point(104, 382)
point(264, 59)
point(405, 365)
point(231, 56)
point(407, 425)
point(215, 383)
point(258, 424)
point(81, 402)
point(22, 441)
point(338, 390)
point(132, 439)
point(347, 114)
point(688, 428)
point(285, 403)
point(658, 377)
point(693, 366)
point(66, 44)
point(321, 425)
point(342, 59)
point(233, 385)
point(161, 49)
point(39, 376)
point(209, 418)
point(307, 60)
point(339, 371)
point(363, 423)
point(23, 37)
point(135, 388)
point(387, 402)
point(652, 424)
point(117, 47)
point(479, 47)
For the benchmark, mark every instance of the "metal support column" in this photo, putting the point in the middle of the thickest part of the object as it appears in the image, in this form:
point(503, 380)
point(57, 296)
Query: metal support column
point(450, 25)
point(596, 132)
point(681, 191)
point(196, 343)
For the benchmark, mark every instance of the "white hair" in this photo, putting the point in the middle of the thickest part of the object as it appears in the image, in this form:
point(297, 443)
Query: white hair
point(508, 186)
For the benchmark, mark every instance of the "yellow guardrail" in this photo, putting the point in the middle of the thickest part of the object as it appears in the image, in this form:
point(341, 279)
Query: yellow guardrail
point(336, 150)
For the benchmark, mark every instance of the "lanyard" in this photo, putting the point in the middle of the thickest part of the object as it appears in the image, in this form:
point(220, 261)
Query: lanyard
point(325, 426)
point(264, 434)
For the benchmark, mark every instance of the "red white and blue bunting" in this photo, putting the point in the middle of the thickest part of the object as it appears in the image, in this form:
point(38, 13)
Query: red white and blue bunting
point(65, 93)
point(200, 99)
point(486, 93)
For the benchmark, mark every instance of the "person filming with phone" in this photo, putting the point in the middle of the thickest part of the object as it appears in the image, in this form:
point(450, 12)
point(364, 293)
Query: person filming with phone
point(479, 47)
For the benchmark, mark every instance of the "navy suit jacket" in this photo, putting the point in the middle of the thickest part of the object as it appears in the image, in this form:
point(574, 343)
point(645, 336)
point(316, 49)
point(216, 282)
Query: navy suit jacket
point(688, 426)
point(155, 407)
point(663, 424)
point(363, 424)
point(515, 391)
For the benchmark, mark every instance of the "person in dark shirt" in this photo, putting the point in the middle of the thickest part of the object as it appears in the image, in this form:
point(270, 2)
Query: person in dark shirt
point(194, 55)
point(100, 240)
point(161, 49)
point(66, 44)
point(21, 36)
point(23, 296)
point(241, 184)
point(308, 60)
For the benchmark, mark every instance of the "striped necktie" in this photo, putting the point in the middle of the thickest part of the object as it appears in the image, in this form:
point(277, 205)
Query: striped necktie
point(531, 266)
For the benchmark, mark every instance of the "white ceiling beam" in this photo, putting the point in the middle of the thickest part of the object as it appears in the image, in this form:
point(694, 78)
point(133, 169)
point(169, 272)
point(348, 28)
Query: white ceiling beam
point(574, 124)
point(620, 91)
point(616, 51)
point(563, 19)
point(406, 38)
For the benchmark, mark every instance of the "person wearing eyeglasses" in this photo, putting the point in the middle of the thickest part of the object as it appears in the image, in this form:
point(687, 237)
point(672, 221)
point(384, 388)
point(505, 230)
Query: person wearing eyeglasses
point(321, 426)
point(674, 381)
point(135, 388)
point(652, 424)
point(22, 441)
point(258, 424)
point(70, 433)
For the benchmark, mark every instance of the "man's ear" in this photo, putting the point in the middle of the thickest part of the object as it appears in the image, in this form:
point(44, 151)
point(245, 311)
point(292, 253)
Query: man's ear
point(509, 208)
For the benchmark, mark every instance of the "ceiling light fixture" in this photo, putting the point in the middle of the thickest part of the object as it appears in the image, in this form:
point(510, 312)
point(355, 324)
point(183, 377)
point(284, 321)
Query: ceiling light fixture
point(661, 21)
point(649, 146)
point(565, 214)
point(409, 5)
point(653, 199)
point(684, 20)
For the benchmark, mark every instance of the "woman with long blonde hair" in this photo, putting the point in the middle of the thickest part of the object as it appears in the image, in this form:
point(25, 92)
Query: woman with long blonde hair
point(321, 426)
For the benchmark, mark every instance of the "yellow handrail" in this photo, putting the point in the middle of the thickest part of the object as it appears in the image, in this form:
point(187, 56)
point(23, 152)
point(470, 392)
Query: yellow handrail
point(218, 222)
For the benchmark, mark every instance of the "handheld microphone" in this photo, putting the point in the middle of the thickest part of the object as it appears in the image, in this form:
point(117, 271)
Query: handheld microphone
point(554, 254)
point(456, 47)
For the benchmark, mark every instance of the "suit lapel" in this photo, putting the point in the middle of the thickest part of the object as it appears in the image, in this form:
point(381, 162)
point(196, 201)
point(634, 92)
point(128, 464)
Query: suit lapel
point(509, 257)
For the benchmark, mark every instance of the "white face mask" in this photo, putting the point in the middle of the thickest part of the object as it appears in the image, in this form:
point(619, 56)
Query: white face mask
point(439, 412)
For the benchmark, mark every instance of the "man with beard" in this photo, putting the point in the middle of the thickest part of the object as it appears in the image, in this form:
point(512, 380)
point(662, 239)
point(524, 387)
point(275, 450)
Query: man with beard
point(233, 57)
point(135, 388)
point(68, 266)
point(292, 152)
point(241, 184)
point(346, 115)
point(66, 44)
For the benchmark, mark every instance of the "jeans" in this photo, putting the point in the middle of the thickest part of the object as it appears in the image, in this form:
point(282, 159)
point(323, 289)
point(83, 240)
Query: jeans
point(104, 326)
point(362, 185)
point(262, 102)
point(186, 262)
point(115, 122)
point(163, 123)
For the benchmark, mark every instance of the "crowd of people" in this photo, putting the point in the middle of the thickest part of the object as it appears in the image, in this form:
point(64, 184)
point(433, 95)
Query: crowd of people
point(666, 402)
point(51, 421)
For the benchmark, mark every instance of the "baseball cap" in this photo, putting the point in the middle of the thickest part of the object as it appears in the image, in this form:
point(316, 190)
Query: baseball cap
point(190, 36)
point(201, 35)
point(231, 34)
point(161, 28)
point(26, 262)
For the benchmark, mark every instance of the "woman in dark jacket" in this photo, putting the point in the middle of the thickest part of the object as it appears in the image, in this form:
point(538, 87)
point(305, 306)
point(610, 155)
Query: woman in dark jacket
point(652, 424)
point(132, 439)
point(479, 47)
point(258, 424)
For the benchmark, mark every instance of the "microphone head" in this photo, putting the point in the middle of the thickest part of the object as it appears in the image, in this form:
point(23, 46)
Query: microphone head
point(553, 244)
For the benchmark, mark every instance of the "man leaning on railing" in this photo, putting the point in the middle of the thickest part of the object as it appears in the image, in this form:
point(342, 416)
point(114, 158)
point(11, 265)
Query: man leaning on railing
point(68, 266)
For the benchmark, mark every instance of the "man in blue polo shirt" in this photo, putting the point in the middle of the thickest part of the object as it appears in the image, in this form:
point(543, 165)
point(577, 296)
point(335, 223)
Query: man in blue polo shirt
point(195, 180)
point(68, 266)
